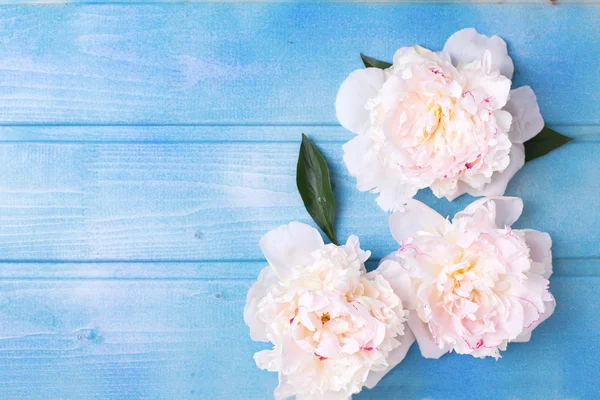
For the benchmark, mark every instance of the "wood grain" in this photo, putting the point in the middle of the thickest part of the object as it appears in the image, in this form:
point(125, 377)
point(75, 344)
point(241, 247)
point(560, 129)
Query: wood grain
point(211, 202)
point(145, 148)
point(264, 63)
point(123, 339)
point(200, 270)
point(207, 134)
point(548, 3)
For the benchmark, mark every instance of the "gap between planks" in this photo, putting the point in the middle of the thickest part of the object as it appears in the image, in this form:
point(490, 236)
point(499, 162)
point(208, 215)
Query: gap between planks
point(199, 270)
point(550, 3)
point(207, 133)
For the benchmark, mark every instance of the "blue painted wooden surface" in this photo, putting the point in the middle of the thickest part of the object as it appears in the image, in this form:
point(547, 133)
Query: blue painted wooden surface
point(144, 149)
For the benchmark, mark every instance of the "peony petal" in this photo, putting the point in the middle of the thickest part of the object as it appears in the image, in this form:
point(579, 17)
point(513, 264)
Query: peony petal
point(415, 217)
point(406, 56)
point(372, 175)
point(527, 119)
point(495, 85)
point(330, 395)
point(394, 358)
point(428, 347)
point(285, 390)
point(352, 246)
point(394, 195)
point(468, 45)
point(500, 180)
point(507, 209)
point(362, 162)
point(267, 360)
point(460, 190)
point(540, 249)
point(398, 278)
point(360, 86)
point(525, 336)
point(290, 245)
point(258, 330)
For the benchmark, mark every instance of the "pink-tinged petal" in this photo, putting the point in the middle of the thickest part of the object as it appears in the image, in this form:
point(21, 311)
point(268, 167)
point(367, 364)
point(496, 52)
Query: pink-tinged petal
point(531, 314)
point(394, 358)
point(500, 180)
point(289, 246)
point(415, 217)
point(496, 86)
point(540, 249)
point(329, 346)
point(527, 119)
point(469, 45)
point(503, 119)
point(525, 336)
point(266, 279)
point(506, 209)
point(360, 86)
point(427, 345)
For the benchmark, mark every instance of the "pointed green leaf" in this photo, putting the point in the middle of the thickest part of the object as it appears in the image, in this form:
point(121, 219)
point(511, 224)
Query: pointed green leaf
point(314, 185)
point(373, 63)
point(544, 142)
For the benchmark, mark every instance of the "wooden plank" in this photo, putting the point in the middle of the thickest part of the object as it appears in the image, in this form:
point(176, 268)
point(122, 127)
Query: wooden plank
point(96, 339)
point(548, 3)
point(189, 201)
point(209, 133)
point(202, 270)
point(264, 63)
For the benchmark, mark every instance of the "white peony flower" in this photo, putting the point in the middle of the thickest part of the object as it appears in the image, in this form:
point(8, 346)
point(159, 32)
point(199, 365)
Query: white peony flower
point(445, 120)
point(334, 327)
point(472, 284)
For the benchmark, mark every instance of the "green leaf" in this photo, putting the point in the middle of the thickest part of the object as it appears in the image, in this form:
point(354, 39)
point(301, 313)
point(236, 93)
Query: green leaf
point(373, 63)
point(543, 143)
point(314, 185)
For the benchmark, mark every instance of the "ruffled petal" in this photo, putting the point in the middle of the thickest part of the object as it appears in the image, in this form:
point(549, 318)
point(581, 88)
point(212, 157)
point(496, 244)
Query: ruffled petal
point(406, 56)
point(495, 85)
point(360, 86)
point(415, 217)
point(372, 175)
point(394, 358)
point(285, 390)
point(468, 45)
point(362, 163)
point(393, 196)
point(527, 119)
point(460, 190)
point(353, 247)
point(398, 278)
point(549, 307)
point(258, 330)
point(428, 347)
point(267, 360)
point(540, 249)
point(507, 210)
point(339, 395)
point(290, 245)
point(500, 180)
